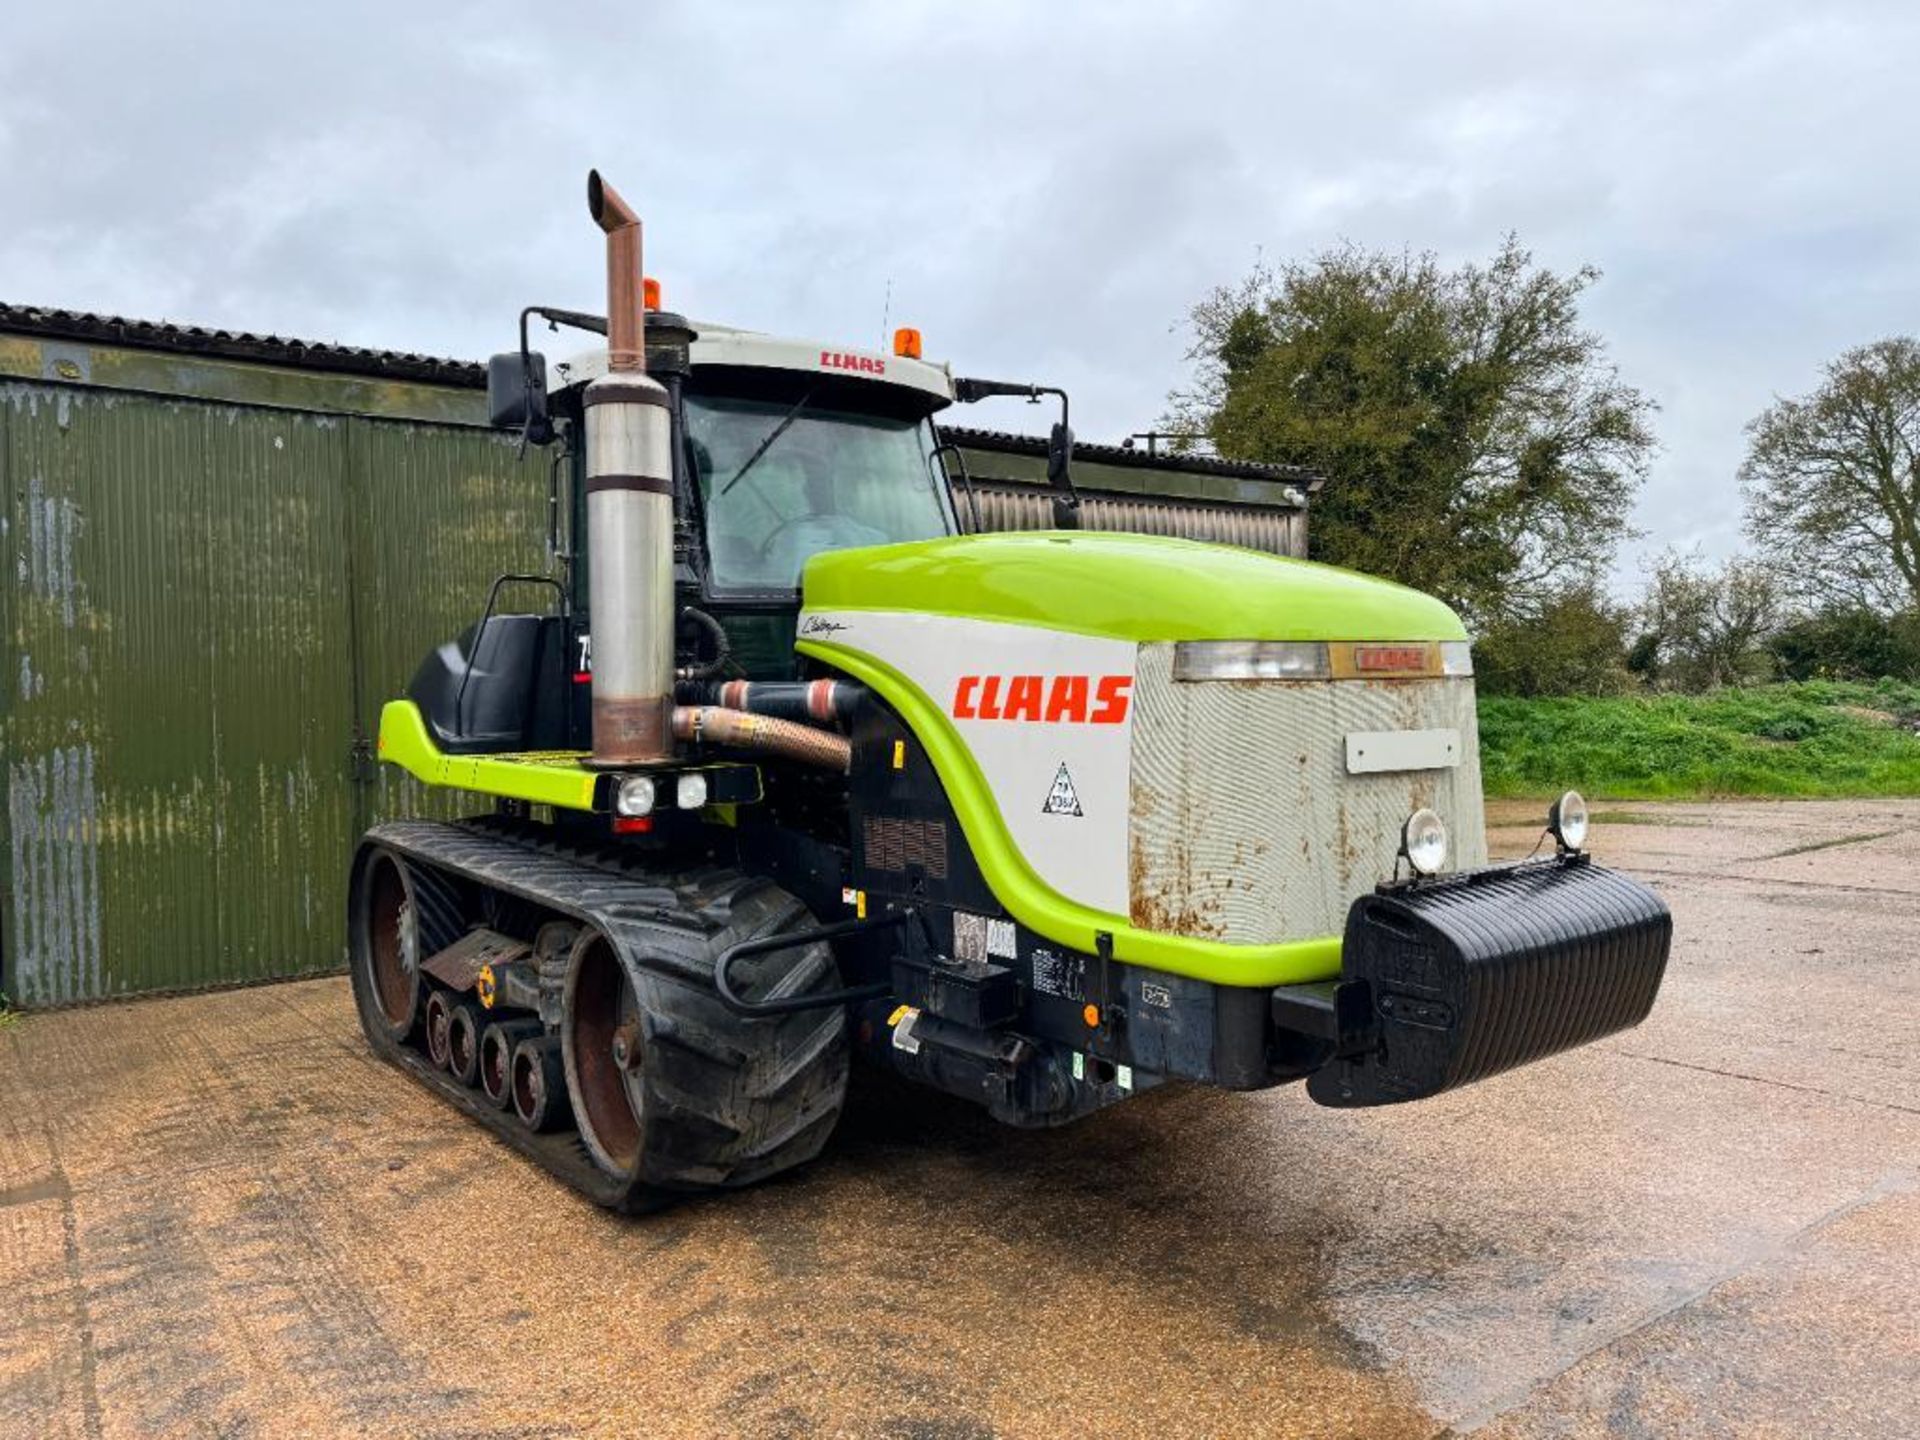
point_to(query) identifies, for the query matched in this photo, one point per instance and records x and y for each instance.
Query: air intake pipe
(629, 516)
(719, 725)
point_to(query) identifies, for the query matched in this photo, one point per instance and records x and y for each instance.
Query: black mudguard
(1474, 974)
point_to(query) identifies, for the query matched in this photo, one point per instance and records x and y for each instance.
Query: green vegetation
(1810, 739)
(1477, 442)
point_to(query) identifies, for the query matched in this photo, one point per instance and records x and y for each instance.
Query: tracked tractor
(786, 770)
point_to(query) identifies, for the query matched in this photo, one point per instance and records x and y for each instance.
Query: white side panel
(999, 684)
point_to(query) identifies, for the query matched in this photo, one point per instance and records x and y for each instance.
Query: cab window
(829, 480)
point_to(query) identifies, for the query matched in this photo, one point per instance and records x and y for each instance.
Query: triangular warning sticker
(1063, 800)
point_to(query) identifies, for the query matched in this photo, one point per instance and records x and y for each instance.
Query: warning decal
(1062, 800)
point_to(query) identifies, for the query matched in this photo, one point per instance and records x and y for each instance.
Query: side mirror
(517, 394)
(1066, 503)
(1060, 457)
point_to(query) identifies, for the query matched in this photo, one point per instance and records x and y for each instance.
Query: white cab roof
(724, 345)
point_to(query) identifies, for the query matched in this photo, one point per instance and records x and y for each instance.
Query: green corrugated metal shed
(217, 569)
(223, 552)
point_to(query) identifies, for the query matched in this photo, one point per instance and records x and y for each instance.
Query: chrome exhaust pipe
(629, 515)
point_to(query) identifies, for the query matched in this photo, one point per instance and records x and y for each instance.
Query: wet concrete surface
(218, 1216)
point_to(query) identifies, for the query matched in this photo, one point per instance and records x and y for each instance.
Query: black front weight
(1474, 974)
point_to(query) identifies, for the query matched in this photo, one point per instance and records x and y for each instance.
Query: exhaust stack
(629, 516)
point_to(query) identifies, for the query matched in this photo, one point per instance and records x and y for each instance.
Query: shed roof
(359, 360)
(239, 345)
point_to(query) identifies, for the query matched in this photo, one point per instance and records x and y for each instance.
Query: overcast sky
(1047, 188)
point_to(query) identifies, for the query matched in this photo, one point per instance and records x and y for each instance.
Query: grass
(9, 1017)
(1819, 738)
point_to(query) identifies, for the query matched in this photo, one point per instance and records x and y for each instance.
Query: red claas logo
(847, 360)
(1053, 699)
(1390, 659)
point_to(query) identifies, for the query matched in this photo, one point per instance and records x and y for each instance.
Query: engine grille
(1246, 826)
(896, 844)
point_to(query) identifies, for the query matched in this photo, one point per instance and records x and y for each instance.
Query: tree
(1848, 643)
(1574, 644)
(1476, 442)
(1704, 626)
(1832, 481)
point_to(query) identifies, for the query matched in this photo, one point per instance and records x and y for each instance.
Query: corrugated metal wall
(205, 606)
(219, 565)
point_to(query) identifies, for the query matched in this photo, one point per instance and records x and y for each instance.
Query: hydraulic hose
(722, 648)
(817, 702)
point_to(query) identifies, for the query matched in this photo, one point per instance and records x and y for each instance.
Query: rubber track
(729, 1100)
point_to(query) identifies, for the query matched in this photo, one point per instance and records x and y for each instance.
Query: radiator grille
(1246, 826)
(895, 844)
(1030, 507)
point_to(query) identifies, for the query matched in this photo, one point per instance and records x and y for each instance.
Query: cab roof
(718, 345)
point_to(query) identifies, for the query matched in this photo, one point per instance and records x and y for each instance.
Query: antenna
(886, 313)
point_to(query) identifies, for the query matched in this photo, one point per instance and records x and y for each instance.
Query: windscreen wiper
(766, 444)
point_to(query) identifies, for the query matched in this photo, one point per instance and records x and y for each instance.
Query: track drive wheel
(672, 1091)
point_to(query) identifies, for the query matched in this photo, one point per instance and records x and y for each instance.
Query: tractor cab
(783, 449)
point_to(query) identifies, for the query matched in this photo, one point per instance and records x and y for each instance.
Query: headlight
(1423, 840)
(690, 791)
(1567, 820)
(1250, 660)
(634, 797)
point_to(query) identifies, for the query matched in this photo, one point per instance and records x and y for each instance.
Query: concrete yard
(219, 1216)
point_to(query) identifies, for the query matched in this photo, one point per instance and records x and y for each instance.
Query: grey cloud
(1046, 188)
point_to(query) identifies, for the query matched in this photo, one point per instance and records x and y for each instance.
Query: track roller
(465, 1020)
(439, 1025)
(497, 1044)
(539, 1084)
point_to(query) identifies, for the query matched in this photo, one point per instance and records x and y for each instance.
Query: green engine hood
(1127, 587)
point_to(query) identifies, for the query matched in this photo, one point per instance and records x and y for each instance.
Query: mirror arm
(1066, 500)
(555, 318)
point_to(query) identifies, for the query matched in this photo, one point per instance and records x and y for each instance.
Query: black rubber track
(729, 1101)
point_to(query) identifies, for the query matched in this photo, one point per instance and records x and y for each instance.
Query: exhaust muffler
(629, 515)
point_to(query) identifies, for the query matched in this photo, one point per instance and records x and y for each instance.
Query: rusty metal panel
(1281, 530)
(1246, 824)
(437, 511)
(178, 690)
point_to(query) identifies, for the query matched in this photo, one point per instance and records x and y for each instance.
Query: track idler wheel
(497, 1044)
(439, 1026)
(400, 914)
(539, 1084)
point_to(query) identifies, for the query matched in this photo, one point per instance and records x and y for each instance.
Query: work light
(1567, 820)
(634, 797)
(1423, 840)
